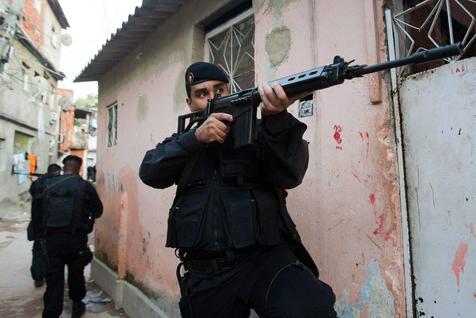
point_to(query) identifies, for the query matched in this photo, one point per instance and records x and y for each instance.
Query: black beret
(201, 72)
(53, 168)
(73, 158)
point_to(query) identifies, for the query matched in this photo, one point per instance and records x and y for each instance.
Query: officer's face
(201, 93)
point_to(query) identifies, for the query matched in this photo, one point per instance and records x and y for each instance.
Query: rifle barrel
(31, 174)
(423, 56)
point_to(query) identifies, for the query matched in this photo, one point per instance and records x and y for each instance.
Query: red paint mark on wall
(337, 136)
(363, 180)
(470, 227)
(380, 228)
(380, 219)
(372, 199)
(364, 135)
(356, 176)
(459, 261)
(461, 69)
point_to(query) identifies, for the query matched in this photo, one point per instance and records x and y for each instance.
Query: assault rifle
(31, 174)
(243, 105)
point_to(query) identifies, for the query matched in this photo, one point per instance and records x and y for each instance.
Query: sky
(91, 24)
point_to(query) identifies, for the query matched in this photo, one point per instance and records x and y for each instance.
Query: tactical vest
(226, 202)
(62, 204)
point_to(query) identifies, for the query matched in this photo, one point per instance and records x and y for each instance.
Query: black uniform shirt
(228, 197)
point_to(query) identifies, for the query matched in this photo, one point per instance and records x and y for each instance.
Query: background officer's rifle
(31, 174)
(243, 105)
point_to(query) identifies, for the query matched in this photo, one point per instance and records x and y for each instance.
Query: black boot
(78, 309)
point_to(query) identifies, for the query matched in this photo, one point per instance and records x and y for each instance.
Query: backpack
(62, 203)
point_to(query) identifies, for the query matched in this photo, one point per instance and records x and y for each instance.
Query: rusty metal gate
(438, 109)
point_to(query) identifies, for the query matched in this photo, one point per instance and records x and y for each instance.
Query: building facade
(354, 210)
(29, 112)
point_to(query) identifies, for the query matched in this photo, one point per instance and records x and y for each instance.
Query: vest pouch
(268, 215)
(172, 240)
(240, 215)
(185, 220)
(238, 167)
(60, 205)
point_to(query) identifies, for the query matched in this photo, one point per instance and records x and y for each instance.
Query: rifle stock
(243, 105)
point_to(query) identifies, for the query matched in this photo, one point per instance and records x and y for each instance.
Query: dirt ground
(18, 296)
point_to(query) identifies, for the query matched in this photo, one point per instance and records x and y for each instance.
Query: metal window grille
(231, 47)
(433, 23)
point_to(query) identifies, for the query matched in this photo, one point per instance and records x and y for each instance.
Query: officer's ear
(188, 100)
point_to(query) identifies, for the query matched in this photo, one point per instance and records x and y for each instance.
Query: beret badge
(190, 77)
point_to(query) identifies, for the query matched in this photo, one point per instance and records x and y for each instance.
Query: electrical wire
(22, 81)
(29, 60)
(21, 61)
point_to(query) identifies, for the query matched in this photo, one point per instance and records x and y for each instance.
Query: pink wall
(347, 209)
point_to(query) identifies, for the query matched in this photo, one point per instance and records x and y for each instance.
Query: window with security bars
(231, 47)
(425, 24)
(112, 125)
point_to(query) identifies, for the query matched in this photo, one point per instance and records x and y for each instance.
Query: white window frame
(223, 27)
(37, 5)
(112, 130)
(60, 139)
(51, 98)
(54, 38)
(26, 79)
(3, 155)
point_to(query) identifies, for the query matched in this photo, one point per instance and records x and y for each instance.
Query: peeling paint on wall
(381, 215)
(257, 5)
(278, 44)
(111, 182)
(276, 5)
(364, 136)
(279, 5)
(142, 107)
(374, 296)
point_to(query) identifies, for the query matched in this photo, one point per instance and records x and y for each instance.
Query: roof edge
(50, 68)
(58, 11)
(155, 11)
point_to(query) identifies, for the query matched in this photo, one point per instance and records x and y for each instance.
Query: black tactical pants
(63, 249)
(38, 262)
(271, 282)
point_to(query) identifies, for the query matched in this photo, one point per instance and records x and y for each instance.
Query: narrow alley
(18, 296)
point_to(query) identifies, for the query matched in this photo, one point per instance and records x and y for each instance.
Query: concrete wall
(38, 26)
(32, 24)
(347, 208)
(18, 112)
(51, 39)
(10, 189)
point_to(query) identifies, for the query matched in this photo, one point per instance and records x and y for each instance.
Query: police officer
(69, 206)
(229, 223)
(38, 265)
